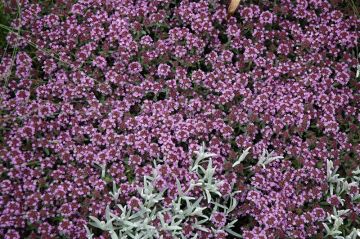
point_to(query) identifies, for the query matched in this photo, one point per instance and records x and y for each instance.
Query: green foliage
(5, 19)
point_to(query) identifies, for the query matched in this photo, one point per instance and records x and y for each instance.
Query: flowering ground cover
(105, 107)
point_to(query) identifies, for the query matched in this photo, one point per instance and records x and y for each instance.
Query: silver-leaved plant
(139, 223)
(340, 186)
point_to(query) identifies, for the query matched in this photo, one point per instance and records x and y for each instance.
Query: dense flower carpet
(173, 119)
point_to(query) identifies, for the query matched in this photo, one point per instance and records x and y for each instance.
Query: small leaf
(173, 228)
(231, 224)
(242, 157)
(89, 234)
(113, 235)
(181, 193)
(326, 228)
(219, 205)
(97, 222)
(200, 227)
(208, 195)
(233, 204)
(107, 213)
(232, 232)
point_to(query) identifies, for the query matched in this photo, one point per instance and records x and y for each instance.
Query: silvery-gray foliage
(340, 186)
(139, 224)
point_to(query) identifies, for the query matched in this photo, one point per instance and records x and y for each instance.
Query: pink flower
(100, 62)
(134, 203)
(134, 68)
(218, 219)
(163, 70)
(266, 17)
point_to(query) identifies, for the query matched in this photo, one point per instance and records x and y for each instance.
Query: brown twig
(232, 7)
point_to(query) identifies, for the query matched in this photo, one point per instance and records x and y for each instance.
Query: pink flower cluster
(124, 83)
(279, 194)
